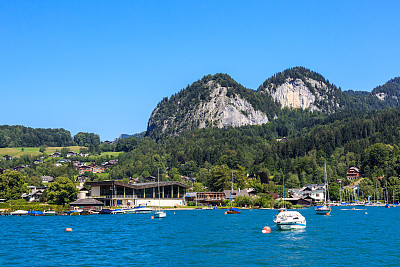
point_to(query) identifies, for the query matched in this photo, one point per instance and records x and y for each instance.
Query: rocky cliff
(219, 101)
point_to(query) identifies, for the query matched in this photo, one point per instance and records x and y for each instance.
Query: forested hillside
(19, 136)
(213, 101)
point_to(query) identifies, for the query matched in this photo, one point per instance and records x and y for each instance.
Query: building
(47, 179)
(353, 173)
(86, 204)
(314, 191)
(207, 198)
(34, 194)
(235, 193)
(115, 193)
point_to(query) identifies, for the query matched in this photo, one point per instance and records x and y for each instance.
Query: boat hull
(160, 214)
(290, 220)
(323, 210)
(290, 226)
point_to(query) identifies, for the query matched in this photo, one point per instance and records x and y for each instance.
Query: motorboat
(20, 212)
(289, 220)
(160, 214)
(49, 213)
(129, 211)
(323, 210)
(117, 211)
(142, 209)
(105, 211)
(35, 213)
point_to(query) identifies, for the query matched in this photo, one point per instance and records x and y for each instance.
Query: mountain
(219, 101)
(302, 88)
(214, 101)
(389, 92)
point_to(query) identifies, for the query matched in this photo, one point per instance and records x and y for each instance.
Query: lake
(203, 238)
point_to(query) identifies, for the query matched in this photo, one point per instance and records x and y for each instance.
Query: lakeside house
(316, 192)
(34, 194)
(353, 173)
(116, 193)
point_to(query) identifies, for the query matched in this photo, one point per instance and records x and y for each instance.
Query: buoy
(281, 211)
(328, 213)
(366, 212)
(152, 217)
(266, 230)
(68, 230)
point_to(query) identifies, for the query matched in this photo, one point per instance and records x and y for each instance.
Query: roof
(87, 202)
(138, 185)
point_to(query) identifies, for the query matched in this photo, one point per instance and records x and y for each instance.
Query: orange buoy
(226, 212)
(281, 211)
(152, 217)
(266, 230)
(68, 230)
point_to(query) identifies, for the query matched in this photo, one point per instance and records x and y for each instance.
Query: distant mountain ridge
(219, 101)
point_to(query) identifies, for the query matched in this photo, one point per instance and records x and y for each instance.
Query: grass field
(115, 154)
(34, 151)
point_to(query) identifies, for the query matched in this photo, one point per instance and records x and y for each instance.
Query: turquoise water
(202, 238)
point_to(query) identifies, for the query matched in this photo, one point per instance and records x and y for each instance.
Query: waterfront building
(116, 193)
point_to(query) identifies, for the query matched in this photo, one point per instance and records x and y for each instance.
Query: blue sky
(102, 66)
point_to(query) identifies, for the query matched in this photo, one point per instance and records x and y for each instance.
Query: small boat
(129, 211)
(142, 209)
(105, 211)
(35, 213)
(324, 209)
(49, 213)
(117, 211)
(159, 213)
(20, 212)
(231, 209)
(290, 220)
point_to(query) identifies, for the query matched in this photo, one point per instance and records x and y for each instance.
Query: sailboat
(159, 213)
(289, 219)
(324, 209)
(231, 209)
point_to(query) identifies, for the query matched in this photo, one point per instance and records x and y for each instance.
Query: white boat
(129, 211)
(142, 209)
(159, 213)
(324, 209)
(117, 211)
(20, 212)
(290, 220)
(49, 213)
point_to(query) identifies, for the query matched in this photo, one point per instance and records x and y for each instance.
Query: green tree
(334, 190)
(174, 175)
(220, 178)
(12, 185)
(62, 191)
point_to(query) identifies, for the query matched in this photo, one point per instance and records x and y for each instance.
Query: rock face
(223, 111)
(295, 93)
(216, 109)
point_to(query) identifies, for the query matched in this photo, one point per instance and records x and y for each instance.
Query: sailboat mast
(158, 185)
(230, 197)
(326, 182)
